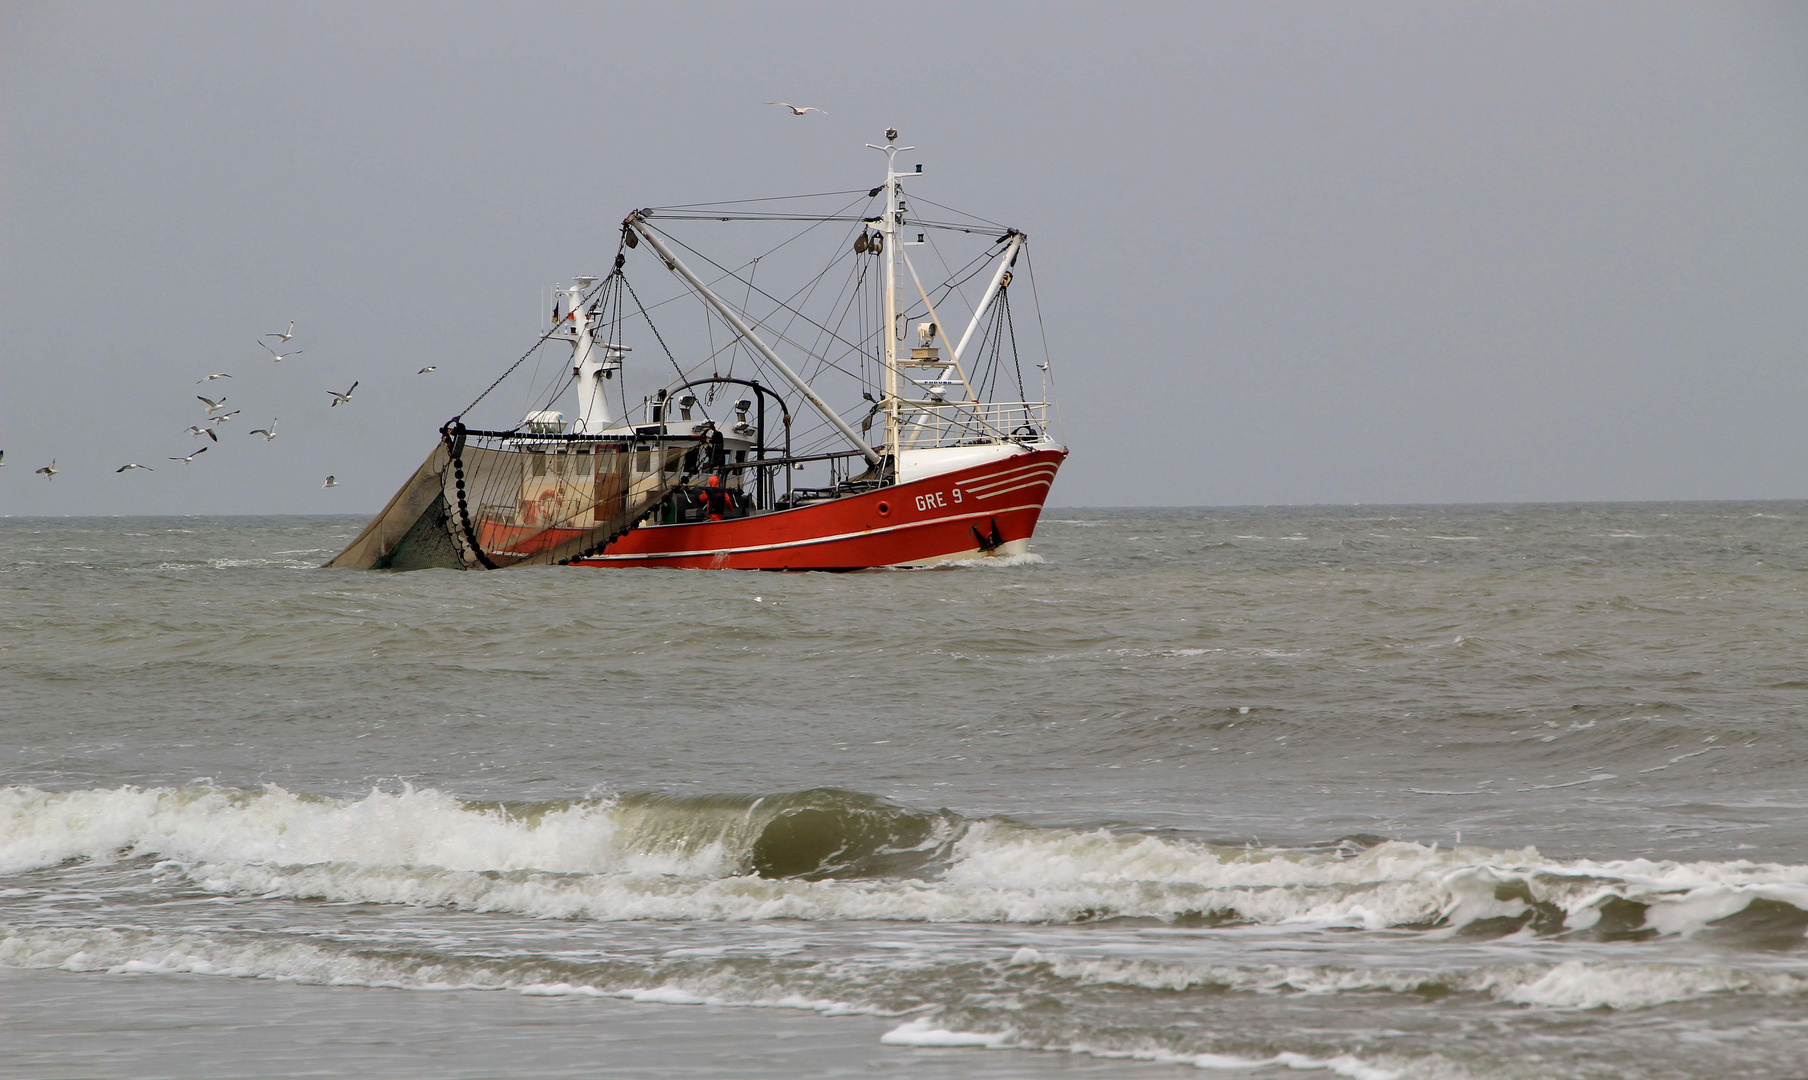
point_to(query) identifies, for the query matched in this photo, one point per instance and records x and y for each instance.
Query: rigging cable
(544, 338)
(655, 329)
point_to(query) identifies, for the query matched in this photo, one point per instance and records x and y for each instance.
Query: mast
(888, 228)
(739, 325)
(579, 326)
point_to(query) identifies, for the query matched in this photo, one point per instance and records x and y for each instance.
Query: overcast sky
(1287, 253)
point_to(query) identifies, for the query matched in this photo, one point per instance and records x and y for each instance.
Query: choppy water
(1451, 792)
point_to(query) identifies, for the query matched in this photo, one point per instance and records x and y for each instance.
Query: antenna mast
(888, 229)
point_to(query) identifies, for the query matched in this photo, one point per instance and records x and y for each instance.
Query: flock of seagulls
(215, 407)
(217, 412)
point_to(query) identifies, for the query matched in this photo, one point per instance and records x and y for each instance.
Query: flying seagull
(134, 465)
(284, 336)
(223, 419)
(212, 405)
(49, 470)
(798, 110)
(428, 370)
(2, 459)
(197, 431)
(340, 399)
(331, 481)
(280, 357)
(210, 378)
(268, 433)
(191, 457)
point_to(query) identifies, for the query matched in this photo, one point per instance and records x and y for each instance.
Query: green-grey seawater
(1510, 791)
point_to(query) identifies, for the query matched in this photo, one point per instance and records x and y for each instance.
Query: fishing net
(488, 500)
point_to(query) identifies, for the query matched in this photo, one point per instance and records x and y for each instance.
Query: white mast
(592, 364)
(888, 229)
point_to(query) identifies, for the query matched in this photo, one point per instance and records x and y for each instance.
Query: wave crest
(832, 854)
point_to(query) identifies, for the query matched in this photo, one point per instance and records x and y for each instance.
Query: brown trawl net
(488, 500)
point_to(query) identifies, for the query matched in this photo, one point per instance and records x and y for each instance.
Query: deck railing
(955, 423)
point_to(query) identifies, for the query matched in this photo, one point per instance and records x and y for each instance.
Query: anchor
(988, 544)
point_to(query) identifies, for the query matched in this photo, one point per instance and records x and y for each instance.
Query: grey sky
(1286, 253)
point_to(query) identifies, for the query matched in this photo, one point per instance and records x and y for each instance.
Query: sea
(1374, 792)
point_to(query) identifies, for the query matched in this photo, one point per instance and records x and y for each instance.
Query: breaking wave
(832, 854)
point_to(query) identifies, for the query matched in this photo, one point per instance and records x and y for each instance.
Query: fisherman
(715, 496)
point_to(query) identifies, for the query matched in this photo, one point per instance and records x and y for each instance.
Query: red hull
(925, 521)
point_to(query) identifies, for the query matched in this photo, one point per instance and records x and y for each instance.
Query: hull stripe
(1005, 478)
(811, 542)
(1042, 482)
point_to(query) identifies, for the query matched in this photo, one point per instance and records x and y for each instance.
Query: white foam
(599, 860)
(923, 1032)
(1579, 985)
(992, 562)
(129, 952)
(413, 828)
(1571, 984)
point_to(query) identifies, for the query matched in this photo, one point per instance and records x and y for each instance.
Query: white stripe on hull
(812, 541)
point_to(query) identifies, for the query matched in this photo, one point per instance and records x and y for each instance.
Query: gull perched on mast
(798, 110)
(280, 357)
(283, 337)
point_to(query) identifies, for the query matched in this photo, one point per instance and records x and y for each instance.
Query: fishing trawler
(740, 461)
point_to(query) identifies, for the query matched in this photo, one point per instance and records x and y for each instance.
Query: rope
(544, 338)
(656, 334)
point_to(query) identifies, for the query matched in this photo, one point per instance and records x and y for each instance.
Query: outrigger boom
(733, 318)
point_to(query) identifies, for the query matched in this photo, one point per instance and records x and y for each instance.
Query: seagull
(331, 481)
(428, 370)
(223, 419)
(134, 465)
(2, 459)
(283, 338)
(197, 431)
(49, 470)
(268, 433)
(798, 110)
(340, 399)
(191, 457)
(280, 357)
(212, 405)
(210, 378)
